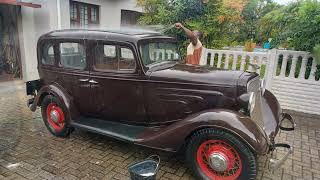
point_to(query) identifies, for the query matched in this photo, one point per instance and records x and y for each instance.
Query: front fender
(60, 93)
(172, 137)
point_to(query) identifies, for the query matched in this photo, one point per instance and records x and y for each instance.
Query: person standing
(195, 50)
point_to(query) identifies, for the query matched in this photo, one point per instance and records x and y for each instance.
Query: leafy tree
(296, 26)
(232, 22)
(217, 19)
(251, 14)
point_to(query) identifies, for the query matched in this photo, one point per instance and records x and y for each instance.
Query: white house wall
(110, 12)
(37, 21)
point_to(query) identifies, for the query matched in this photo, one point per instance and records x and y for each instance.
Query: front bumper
(276, 163)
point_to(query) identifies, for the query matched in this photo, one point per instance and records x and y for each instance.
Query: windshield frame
(157, 40)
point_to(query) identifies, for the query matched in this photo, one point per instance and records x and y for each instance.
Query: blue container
(146, 169)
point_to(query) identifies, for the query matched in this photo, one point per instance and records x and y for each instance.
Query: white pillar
(28, 44)
(59, 13)
(271, 68)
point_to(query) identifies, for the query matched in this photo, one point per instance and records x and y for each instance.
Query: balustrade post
(211, 61)
(293, 65)
(205, 54)
(313, 70)
(235, 60)
(303, 67)
(243, 61)
(219, 60)
(271, 67)
(226, 62)
(284, 65)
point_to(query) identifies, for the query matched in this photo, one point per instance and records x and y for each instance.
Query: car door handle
(83, 80)
(93, 81)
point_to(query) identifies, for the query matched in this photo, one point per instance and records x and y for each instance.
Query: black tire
(65, 130)
(248, 159)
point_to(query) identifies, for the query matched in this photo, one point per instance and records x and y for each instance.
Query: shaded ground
(28, 151)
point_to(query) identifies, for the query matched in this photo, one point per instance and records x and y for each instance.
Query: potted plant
(249, 46)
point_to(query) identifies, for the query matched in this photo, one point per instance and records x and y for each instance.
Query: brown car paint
(172, 137)
(171, 103)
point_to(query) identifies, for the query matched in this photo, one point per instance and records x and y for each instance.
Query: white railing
(285, 72)
(235, 60)
(163, 54)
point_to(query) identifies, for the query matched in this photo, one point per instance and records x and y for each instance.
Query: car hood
(182, 73)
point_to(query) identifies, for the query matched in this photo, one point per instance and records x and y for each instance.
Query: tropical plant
(217, 19)
(296, 26)
(251, 14)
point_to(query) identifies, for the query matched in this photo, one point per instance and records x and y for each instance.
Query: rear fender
(60, 93)
(172, 137)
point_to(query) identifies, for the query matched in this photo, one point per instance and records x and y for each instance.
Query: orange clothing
(194, 54)
(194, 58)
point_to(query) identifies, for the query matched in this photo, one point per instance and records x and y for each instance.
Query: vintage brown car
(134, 87)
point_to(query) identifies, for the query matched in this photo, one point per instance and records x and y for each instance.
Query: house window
(83, 14)
(129, 17)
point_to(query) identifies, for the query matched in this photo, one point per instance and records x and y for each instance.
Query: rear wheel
(54, 116)
(219, 155)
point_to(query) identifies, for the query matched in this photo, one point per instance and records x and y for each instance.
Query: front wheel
(218, 155)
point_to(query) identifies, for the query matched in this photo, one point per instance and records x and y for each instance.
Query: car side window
(126, 60)
(114, 58)
(72, 55)
(48, 55)
(106, 57)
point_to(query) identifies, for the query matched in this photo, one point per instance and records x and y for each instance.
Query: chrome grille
(254, 84)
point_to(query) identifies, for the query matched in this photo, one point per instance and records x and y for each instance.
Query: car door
(116, 85)
(73, 74)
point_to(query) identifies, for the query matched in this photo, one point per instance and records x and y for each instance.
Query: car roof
(114, 35)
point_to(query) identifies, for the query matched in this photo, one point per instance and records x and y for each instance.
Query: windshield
(157, 52)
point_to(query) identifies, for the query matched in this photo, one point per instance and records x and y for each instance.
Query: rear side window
(48, 55)
(72, 55)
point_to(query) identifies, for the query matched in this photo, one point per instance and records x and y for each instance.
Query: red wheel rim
(232, 160)
(55, 117)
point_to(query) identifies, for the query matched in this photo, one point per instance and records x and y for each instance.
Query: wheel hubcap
(55, 117)
(218, 162)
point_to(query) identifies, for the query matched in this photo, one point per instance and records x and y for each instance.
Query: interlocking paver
(29, 151)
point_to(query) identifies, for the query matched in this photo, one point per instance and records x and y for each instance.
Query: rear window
(72, 55)
(48, 55)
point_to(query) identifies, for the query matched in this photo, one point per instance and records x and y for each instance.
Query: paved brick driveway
(28, 151)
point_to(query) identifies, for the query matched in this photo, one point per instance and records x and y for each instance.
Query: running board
(108, 128)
